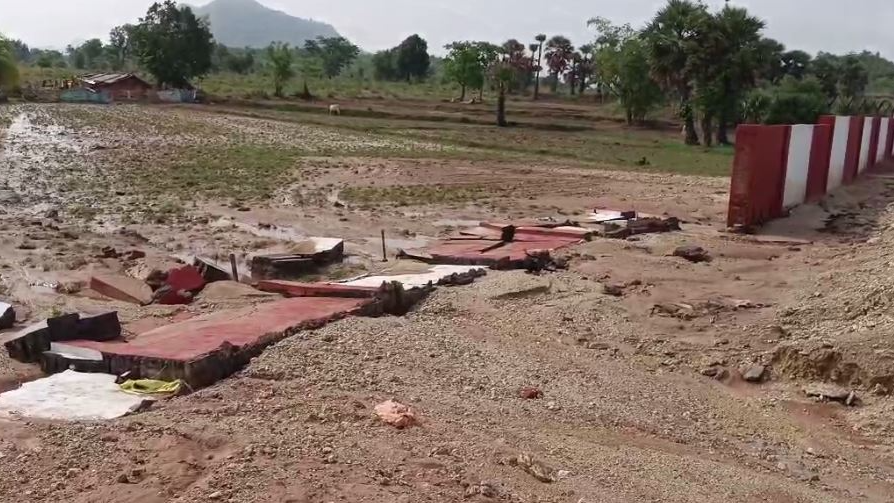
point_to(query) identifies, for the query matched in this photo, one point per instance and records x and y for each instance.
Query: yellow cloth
(151, 387)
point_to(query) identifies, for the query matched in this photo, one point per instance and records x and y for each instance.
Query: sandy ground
(627, 414)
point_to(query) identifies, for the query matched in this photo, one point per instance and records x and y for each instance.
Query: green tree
(119, 48)
(624, 71)
(796, 63)
(853, 78)
(413, 60)
(334, 53)
(172, 44)
(385, 65)
(672, 37)
(93, 51)
(502, 72)
(280, 58)
(310, 67)
(772, 68)
(792, 101)
(9, 70)
(559, 54)
(464, 66)
(728, 59)
(826, 68)
(538, 66)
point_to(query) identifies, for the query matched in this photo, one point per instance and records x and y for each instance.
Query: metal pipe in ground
(233, 267)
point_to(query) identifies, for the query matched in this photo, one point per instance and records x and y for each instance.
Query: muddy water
(35, 155)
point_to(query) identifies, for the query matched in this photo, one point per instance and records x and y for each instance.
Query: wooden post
(384, 251)
(233, 267)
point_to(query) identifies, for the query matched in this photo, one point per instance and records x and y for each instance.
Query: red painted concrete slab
(191, 340)
(493, 253)
(121, 288)
(295, 289)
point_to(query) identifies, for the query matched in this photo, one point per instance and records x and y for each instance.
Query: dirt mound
(818, 362)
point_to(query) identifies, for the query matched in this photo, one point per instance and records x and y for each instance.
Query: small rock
(396, 414)
(122, 479)
(613, 290)
(755, 374)
(215, 495)
(831, 393)
(72, 472)
(717, 372)
(109, 252)
(879, 390)
(693, 253)
(530, 393)
(134, 255)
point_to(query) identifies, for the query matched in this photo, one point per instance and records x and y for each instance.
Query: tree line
(716, 69)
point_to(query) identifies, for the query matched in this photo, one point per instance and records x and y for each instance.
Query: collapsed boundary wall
(779, 167)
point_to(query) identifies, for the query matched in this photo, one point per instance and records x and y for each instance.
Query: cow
(334, 110)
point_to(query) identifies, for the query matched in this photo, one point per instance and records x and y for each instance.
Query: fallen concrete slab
(303, 258)
(29, 344)
(211, 271)
(501, 246)
(7, 316)
(122, 288)
(436, 275)
(62, 357)
(281, 266)
(208, 348)
(296, 289)
(70, 396)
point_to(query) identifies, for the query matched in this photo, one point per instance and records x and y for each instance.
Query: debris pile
(624, 224)
(503, 246)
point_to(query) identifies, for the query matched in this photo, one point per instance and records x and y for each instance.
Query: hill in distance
(247, 23)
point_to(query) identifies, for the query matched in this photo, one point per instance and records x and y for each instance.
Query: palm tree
(559, 53)
(672, 38)
(534, 64)
(541, 38)
(586, 66)
(740, 61)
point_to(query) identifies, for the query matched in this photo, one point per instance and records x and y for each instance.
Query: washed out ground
(626, 413)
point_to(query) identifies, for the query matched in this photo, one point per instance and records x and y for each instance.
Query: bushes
(791, 101)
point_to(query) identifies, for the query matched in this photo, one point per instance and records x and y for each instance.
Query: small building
(118, 86)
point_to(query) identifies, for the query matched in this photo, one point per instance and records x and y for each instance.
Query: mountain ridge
(248, 23)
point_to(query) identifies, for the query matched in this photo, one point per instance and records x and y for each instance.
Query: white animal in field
(334, 110)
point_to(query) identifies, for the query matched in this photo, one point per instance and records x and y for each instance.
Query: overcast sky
(812, 25)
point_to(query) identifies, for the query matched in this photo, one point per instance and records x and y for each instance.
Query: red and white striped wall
(779, 167)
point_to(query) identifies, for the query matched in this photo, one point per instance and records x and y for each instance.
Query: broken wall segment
(304, 258)
(122, 288)
(487, 245)
(203, 350)
(29, 344)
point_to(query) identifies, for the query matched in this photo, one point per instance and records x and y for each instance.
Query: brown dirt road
(626, 412)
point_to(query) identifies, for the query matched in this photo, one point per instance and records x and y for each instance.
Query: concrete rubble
(303, 258)
(502, 246)
(122, 288)
(624, 224)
